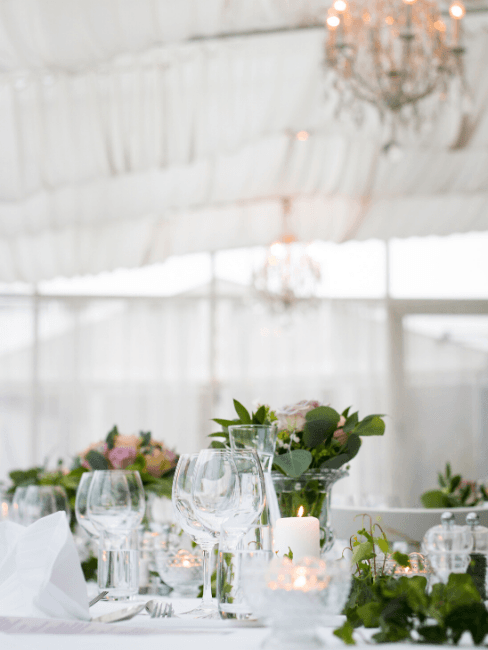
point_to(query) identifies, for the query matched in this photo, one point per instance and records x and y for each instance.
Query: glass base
(205, 610)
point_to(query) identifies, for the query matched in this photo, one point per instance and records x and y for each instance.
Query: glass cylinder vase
(312, 492)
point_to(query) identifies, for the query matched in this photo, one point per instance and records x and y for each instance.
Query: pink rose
(340, 435)
(292, 418)
(120, 457)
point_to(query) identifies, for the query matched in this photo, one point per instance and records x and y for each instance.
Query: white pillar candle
(300, 534)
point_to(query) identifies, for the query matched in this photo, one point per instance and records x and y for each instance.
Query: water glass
(118, 564)
(260, 437)
(233, 566)
(115, 500)
(17, 510)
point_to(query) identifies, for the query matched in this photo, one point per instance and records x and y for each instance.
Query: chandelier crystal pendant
(394, 54)
(289, 275)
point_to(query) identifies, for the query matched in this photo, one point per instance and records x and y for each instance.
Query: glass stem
(207, 577)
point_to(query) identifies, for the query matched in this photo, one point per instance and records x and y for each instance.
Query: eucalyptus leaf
(371, 425)
(325, 413)
(294, 463)
(336, 462)
(111, 436)
(317, 432)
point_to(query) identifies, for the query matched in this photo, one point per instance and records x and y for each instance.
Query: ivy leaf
(96, 460)
(435, 499)
(370, 614)
(294, 463)
(363, 551)
(242, 412)
(383, 544)
(372, 425)
(345, 633)
(110, 439)
(468, 618)
(401, 559)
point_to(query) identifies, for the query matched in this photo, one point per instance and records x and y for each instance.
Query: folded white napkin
(40, 573)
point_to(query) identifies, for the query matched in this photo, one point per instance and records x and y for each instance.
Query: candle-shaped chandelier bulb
(457, 10)
(333, 22)
(341, 6)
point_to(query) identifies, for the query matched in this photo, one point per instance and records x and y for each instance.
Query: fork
(158, 611)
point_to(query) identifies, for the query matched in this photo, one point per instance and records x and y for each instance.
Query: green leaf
(435, 499)
(316, 432)
(242, 412)
(370, 614)
(363, 551)
(215, 444)
(468, 618)
(372, 425)
(219, 434)
(260, 415)
(454, 483)
(335, 463)
(294, 463)
(225, 423)
(353, 445)
(111, 436)
(345, 633)
(96, 460)
(345, 412)
(351, 422)
(383, 544)
(401, 558)
(441, 481)
(432, 634)
(325, 413)
(146, 438)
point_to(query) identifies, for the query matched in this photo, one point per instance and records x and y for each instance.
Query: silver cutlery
(157, 611)
(120, 615)
(101, 595)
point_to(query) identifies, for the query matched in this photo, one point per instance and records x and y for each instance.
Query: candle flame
(300, 511)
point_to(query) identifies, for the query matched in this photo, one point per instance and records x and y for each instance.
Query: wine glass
(201, 535)
(42, 500)
(115, 506)
(17, 514)
(115, 500)
(81, 505)
(252, 496)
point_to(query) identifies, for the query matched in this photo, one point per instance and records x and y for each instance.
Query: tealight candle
(299, 534)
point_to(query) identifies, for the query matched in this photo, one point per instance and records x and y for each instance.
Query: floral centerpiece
(454, 492)
(151, 458)
(315, 443)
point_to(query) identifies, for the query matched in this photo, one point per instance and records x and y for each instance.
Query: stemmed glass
(42, 500)
(252, 497)
(185, 515)
(115, 506)
(81, 505)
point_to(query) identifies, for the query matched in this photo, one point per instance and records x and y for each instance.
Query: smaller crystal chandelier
(289, 275)
(394, 54)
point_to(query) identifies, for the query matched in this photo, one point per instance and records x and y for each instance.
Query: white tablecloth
(141, 631)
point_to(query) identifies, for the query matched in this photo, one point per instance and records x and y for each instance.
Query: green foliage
(403, 608)
(89, 568)
(111, 436)
(289, 555)
(323, 451)
(264, 415)
(454, 492)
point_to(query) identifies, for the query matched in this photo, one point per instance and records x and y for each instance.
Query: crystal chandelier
(394, 54)
(289, 275)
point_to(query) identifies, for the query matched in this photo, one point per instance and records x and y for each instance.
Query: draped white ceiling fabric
(131, 130)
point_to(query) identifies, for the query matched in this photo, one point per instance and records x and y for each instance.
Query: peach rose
(292, 418)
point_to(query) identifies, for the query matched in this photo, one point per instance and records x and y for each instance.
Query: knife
(120, 614)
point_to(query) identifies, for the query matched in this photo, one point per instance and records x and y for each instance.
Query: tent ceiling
(123, 142)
